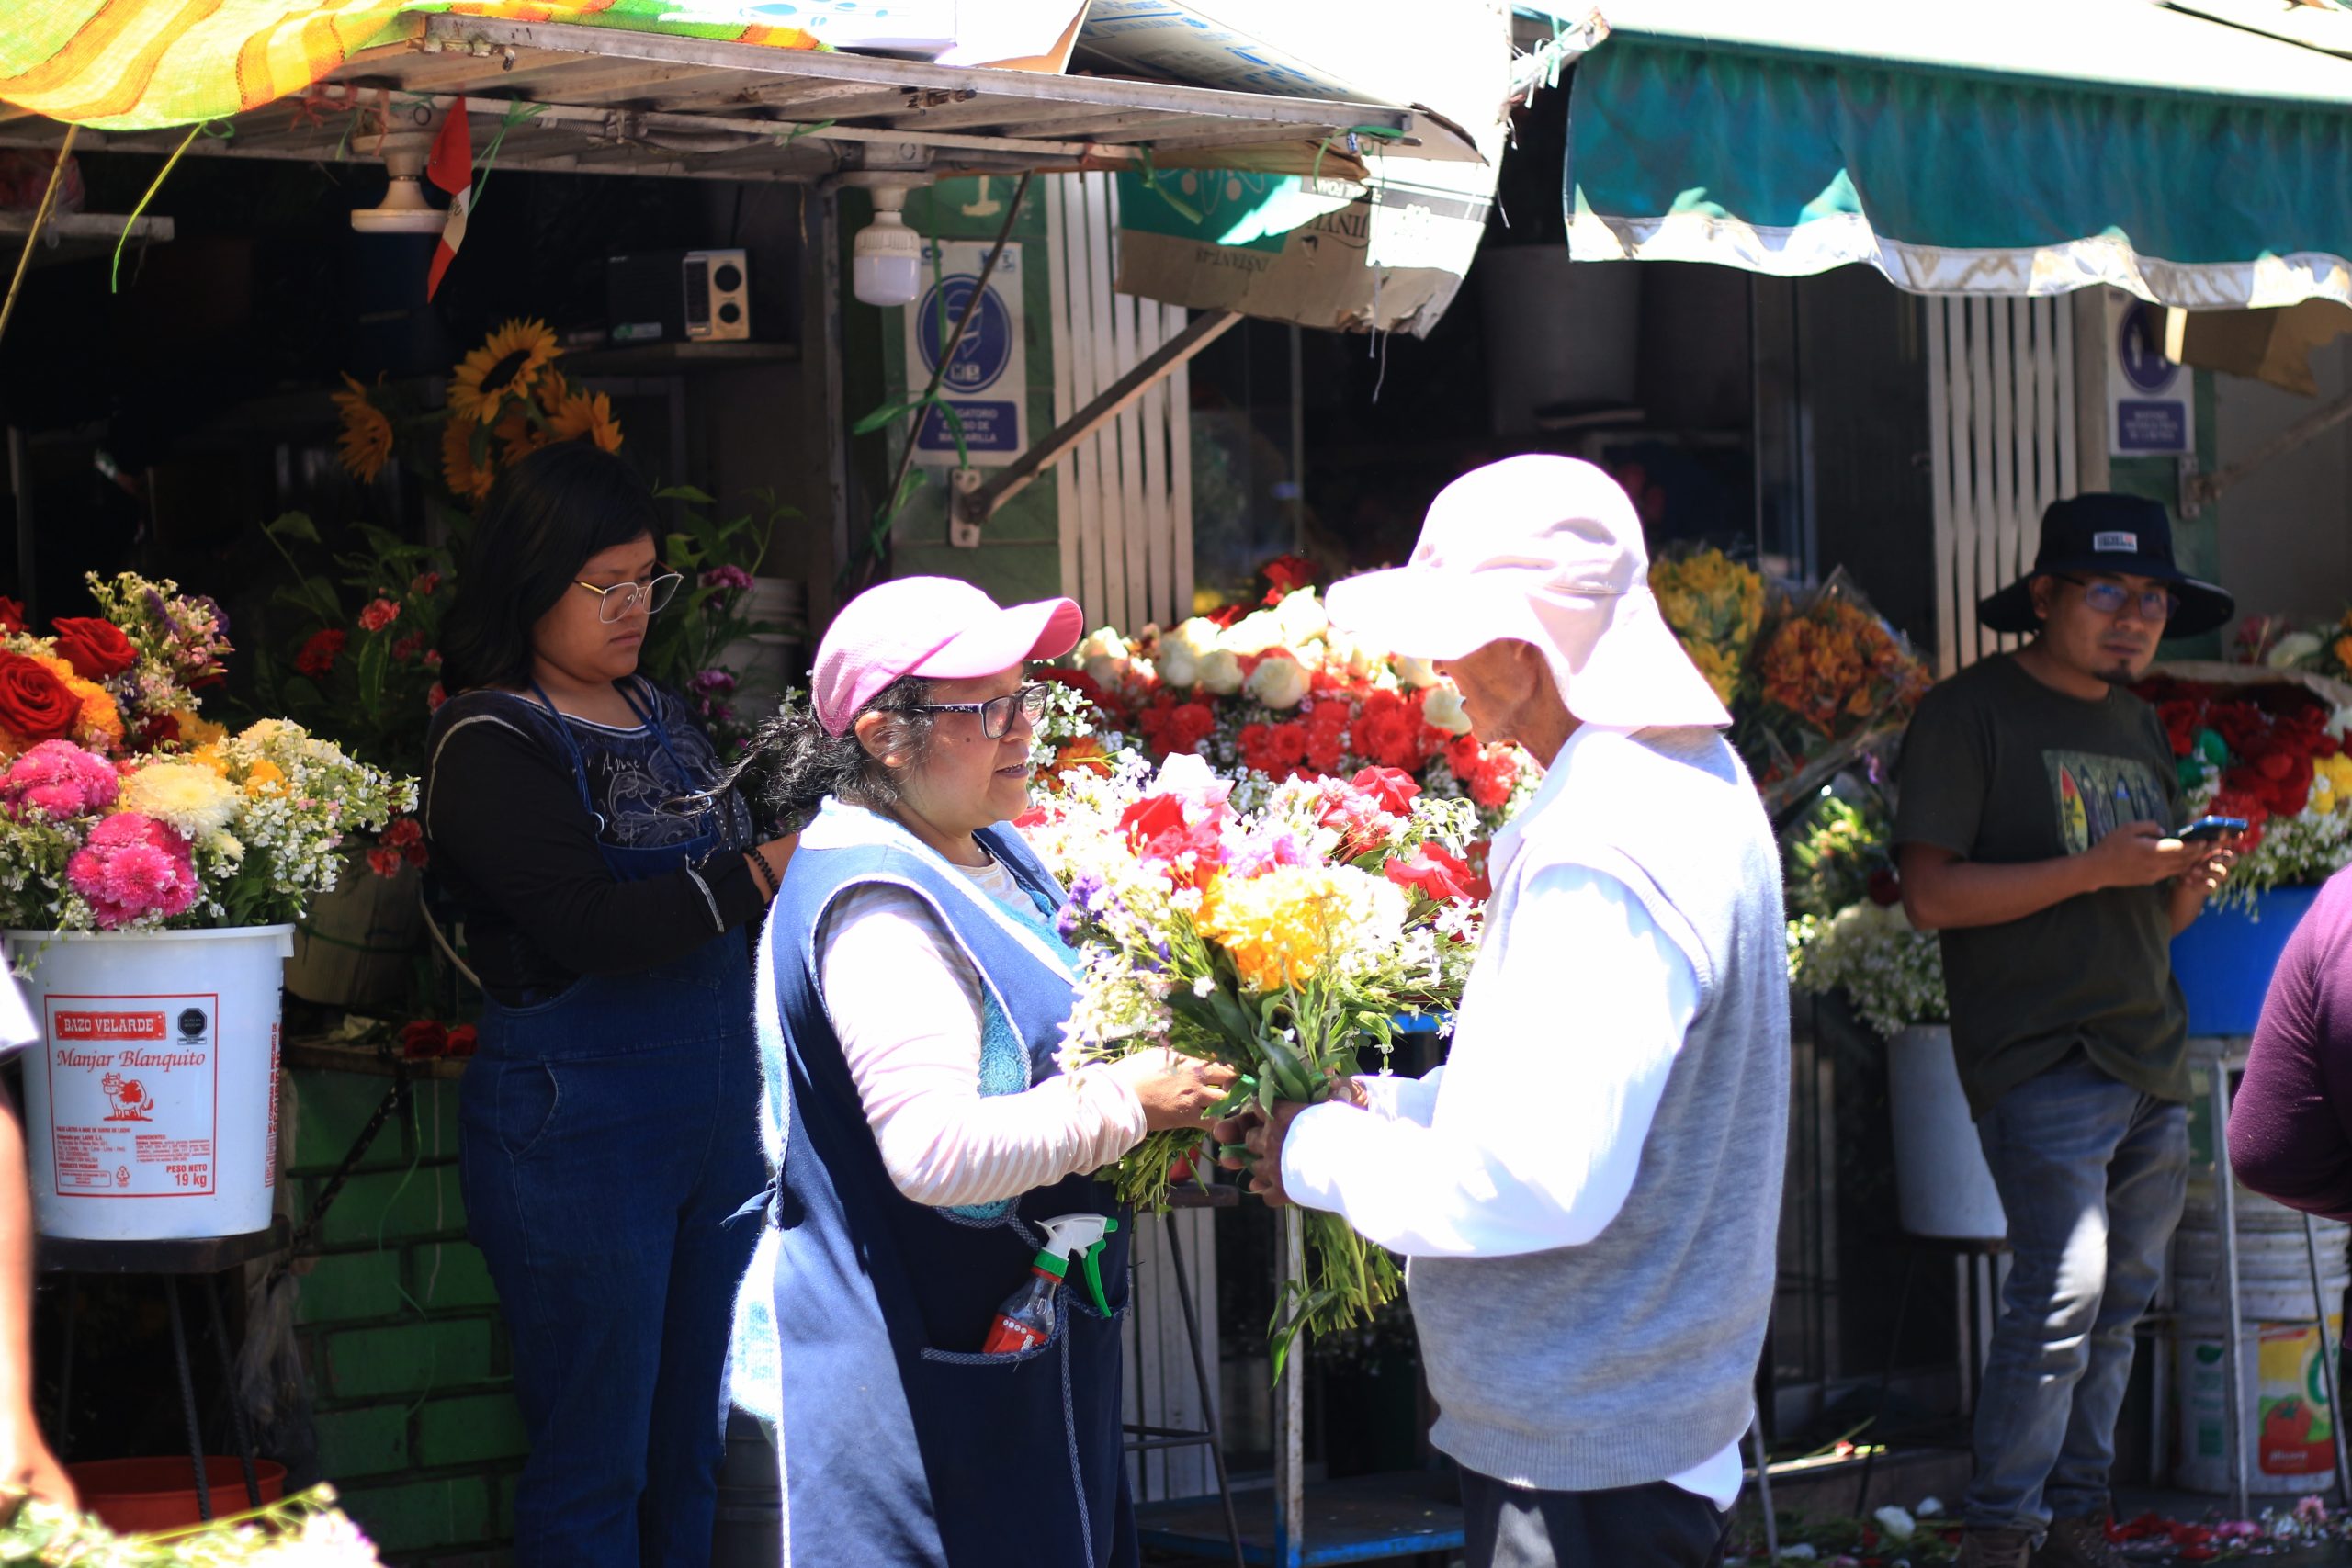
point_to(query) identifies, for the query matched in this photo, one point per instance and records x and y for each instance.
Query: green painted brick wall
(409, 1362)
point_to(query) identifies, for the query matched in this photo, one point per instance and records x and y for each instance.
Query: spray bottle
(1027, 1318)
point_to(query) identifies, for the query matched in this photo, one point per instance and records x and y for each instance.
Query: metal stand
(1145, 1439)
(2233, 1328)
(207, 1260)
(2328, 1349)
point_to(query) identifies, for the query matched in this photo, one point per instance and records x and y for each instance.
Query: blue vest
(900, 1443)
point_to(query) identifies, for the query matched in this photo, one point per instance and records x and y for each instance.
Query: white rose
(1105, 671)
(1412, 674)
(1104, 655)
(1279, 683)
(1253, 633)
(1221, 672)
(1344, 652)
(2293, 649)
(1301, 616)
(1444, 711)
(1199, 635)
(1180, 666)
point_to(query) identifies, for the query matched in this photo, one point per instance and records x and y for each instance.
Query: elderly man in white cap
(1588, 1191)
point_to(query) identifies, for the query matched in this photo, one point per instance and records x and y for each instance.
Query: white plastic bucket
(1943, 1185)
(2285, 1399)
(151, 1108)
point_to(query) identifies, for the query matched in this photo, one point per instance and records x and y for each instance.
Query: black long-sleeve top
(517, 850)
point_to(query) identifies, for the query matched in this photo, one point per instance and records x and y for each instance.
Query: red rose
(384, 863)
(1495, 780)
(1150, 818)
(96, 648)
(1464, 756)
(401, 832)
(461, 1041)
(1393, 789)
(434, 698)
(1188, 724)
(319, 654)
(423, 1038)
(34, 704)
(12, 614)
(1435, 874)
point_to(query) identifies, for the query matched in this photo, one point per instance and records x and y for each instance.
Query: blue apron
(608, 1131)
(900, 1443)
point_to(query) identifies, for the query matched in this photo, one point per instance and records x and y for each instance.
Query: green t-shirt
(2001, 769)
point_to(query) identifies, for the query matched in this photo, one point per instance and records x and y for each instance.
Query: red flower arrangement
(2264, 741)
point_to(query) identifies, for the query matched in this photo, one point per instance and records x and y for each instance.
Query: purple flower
(1084, 890)
(1066, 922)
(212, 607)
(733, 577)
(711, 682)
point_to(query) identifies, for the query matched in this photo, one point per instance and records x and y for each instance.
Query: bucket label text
(134, 1103)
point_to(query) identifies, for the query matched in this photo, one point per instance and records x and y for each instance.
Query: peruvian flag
(451, 167)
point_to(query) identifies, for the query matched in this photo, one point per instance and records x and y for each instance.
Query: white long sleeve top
(1530, 1137)
(912, 1041)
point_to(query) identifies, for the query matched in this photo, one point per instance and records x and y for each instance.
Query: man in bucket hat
(1588, 1190)
(2035, 832)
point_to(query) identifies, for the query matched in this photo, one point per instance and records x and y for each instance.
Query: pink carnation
(132, 867)
(378, 615)
(730, 576)
(60, 780)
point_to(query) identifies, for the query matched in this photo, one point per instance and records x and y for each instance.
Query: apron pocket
(526, 1099)
(1022, 1450)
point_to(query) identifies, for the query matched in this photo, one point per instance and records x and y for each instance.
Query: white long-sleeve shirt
(1530, 1137)
(906, 1005)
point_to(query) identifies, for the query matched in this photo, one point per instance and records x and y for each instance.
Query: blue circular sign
(986, 349)
(2140, 350)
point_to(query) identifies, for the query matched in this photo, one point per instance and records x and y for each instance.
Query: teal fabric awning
(2011, 147)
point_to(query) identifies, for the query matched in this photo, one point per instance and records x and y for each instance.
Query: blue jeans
(606, 1138)
(2091, 1173)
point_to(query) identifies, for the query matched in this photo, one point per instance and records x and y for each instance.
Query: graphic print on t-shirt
(2095, 794)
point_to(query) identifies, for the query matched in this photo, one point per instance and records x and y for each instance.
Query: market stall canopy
(2014, 147)
(635, 94)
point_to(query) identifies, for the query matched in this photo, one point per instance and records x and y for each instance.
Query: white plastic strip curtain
(2001, 448)
(1126, 494)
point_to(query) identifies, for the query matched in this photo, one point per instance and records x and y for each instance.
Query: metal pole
(1764, 1489)
(1201, 1375)
(2327, 1352)
(2232, 1330)
(1290, 1412)
(187, 1401)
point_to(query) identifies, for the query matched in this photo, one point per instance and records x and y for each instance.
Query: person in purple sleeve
(2290, 1126)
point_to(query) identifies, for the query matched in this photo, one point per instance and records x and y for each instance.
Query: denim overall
(607, 1133)
(901, 1445)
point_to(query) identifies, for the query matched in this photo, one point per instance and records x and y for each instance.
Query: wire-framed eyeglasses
(996, 713)
(2155, 604)
(622, 597)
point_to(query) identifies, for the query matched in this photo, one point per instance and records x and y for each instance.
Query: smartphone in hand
(2205, 829)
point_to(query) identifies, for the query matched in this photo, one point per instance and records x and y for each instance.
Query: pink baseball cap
(937, 627)
(1547, 551)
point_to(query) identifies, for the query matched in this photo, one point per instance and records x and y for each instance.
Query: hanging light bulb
(886, 262)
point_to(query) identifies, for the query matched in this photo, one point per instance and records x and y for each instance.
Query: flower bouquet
(1832, 679)
(123, 680)
(1716, 606)
(2270, 751)
(1282, 694)
(1891, 971)
(305, 1531)
(1279, 940)
(239, 831)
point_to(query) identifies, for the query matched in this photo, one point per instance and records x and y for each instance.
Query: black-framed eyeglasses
(996, 713)
(622, 597)
(2155, 604)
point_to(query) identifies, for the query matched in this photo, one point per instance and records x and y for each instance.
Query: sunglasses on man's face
(996, 713)
(2108, 598)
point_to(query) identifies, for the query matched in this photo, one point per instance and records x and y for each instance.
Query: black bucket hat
(2125, 534)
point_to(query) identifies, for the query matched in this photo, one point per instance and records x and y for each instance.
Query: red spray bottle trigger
(1027, 1318)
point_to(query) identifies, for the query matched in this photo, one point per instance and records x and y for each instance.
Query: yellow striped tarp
(136, 64)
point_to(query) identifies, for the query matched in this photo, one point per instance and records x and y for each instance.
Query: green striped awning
(2007, 147)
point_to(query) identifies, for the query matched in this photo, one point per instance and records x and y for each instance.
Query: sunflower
(519, 436)
(467, 478)
(367, 438)
(581, 413)
(507, 363)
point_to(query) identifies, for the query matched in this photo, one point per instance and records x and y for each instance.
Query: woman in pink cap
(912, 991)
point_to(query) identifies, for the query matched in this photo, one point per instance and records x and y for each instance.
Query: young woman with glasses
(612, 883)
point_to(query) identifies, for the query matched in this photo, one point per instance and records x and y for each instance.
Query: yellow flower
(195, 731)
(518, 437)
(466, 480)
(366, 443)
(580, 414)
(265, 777)
(1283, 928)
(97, 720)
(507, 364)
(208, 756)
(196, 800)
